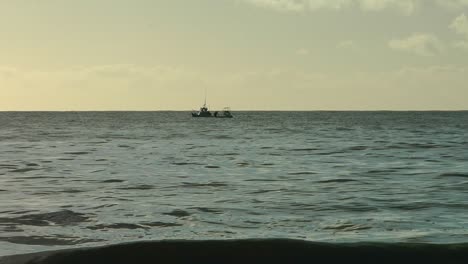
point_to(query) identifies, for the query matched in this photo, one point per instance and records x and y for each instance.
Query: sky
(70, 55)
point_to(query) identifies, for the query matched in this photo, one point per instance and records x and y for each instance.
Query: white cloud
(7, 72)
(461, 44)
(405, 6)
(280, 5)
(329, 4)
(346, 44)
(452, 4)
(460, 26)
(419, 44)
(302, 52)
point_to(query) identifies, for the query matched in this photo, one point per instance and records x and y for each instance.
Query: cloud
(460, 26)
(280, 5)
(330, 4)
(346, 44)
(419, 44)
(461, 44)
(404, 6)
(452, 4)
(302, 52)
(7, 72)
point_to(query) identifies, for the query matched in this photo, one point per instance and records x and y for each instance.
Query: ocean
(79, 179)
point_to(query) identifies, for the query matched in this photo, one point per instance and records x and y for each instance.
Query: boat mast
(205, 98)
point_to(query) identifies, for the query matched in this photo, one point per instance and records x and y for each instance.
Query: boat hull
(201, 115)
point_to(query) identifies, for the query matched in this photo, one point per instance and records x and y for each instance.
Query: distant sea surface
(76, 179)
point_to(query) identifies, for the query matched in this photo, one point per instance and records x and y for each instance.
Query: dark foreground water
(85, 179)
(269, 251)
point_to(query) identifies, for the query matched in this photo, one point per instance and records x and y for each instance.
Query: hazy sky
(248, 54)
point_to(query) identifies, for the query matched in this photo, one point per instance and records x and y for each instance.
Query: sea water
(78, 179)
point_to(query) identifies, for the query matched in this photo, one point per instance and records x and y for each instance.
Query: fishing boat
(226, 113)
(204, 112)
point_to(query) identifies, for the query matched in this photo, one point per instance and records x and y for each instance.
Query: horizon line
(250, 110)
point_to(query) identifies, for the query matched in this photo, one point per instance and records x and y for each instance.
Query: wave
(338, 181)
(23, 170)
(138, 187)
(61, 218)
(251, 251)
(78, 153)
(455, 174)
(302, 173)
(47, 240)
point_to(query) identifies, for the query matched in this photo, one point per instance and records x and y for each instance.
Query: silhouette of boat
(226, 113)
(204, 112)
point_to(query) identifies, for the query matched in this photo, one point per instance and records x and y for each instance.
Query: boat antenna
(205, 98)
